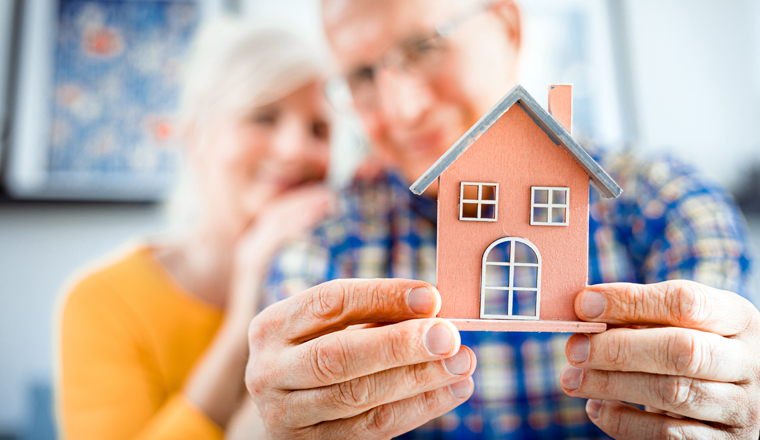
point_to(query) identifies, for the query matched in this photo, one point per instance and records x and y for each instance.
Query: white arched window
(510, 281)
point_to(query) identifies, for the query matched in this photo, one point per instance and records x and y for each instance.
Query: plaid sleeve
(681, 226)
(297, 267)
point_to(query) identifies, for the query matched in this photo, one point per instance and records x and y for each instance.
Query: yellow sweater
(129, 338)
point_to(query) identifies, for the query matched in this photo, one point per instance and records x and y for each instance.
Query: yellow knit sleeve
(179, 419)
(108, 386)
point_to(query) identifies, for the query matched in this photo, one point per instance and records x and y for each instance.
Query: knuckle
(417, 377)
(273, 415)
(381, 419)
(616, 418)
(354, 393)
(744, 412)
(257, 379)
(253, 381)
(687, 302)
(376, 296)
(618, 350)
(398, 345)
(606, 384)
(635, 304)
(328, 301)
(432, 401)
(329, 360)
(678, 393)
(671, 430)
(683, 353)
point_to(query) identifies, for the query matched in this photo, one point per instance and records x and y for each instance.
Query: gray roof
(556, 132)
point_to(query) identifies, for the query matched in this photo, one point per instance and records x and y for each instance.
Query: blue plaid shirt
(668, 224)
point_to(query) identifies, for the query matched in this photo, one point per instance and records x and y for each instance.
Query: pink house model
(513, 198)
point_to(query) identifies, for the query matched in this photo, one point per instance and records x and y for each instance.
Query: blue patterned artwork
(118, 68)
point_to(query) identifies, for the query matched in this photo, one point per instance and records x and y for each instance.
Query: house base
(495, 325)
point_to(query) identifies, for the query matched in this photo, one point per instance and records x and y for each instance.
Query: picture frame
(7, 9)
(97, 88)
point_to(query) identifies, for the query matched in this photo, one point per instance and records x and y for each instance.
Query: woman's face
(248, 161)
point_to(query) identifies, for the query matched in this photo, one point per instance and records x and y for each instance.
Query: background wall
(694, 88)
(40, 248)
(696, 81)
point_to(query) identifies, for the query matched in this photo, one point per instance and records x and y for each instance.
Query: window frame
(480, 202)
(510, 288)
(549, 206)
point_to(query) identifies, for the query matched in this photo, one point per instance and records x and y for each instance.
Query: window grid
(550, 206)
(479, 201)
(511, 288)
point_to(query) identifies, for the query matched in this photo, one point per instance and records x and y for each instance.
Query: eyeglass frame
(443, 31)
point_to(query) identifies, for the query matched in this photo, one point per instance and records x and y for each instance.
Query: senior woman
(153, 342)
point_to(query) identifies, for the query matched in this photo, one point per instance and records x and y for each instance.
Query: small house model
(513, 197)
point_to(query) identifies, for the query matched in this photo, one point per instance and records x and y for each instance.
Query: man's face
(413, 117)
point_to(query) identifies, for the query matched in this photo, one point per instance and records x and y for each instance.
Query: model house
(513, 197)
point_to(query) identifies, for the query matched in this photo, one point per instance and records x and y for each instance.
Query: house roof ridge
(556, 132)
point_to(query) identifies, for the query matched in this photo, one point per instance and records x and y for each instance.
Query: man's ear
(510, 15)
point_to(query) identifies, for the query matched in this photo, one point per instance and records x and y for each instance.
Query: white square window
(549, 206)
(478, 202)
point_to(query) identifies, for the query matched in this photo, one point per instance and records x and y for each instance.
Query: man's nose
(404, 97)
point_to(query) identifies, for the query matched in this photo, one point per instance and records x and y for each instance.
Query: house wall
(516, 154)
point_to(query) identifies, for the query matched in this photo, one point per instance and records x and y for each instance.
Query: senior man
(367, 359)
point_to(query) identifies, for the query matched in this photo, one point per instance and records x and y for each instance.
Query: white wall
(696, 81)
(40, 247)
(6, 17)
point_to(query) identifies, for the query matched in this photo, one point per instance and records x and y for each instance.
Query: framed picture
(98, 85)
(6, 29)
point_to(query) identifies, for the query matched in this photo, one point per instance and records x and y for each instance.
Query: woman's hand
(313, 377)
(284, 219)
(246, 424)
(695, 364)
(213, 387)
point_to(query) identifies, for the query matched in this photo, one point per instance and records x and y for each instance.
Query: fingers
(335, 305)
(393, 419)
(343, 356)
(695, 398)
(621, 421)
(664, 350)
(675, 303)
(347, 399)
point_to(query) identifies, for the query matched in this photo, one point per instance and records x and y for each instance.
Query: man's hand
(692, 356)
(313, 377)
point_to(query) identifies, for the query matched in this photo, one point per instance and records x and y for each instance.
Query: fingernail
(578, 348)
(571, 377)
(460, 389)
(421, 300)
(459, 363)
(439, 339)
(592, 304)
(593, 407)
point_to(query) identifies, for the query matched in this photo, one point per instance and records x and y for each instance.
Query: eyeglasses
(422, 56)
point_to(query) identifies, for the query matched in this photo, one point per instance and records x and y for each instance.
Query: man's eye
(421, 50)
(423, 46)
(263, 118)
(362, 75)
(320, 130)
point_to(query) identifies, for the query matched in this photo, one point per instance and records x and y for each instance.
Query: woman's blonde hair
(234, 66)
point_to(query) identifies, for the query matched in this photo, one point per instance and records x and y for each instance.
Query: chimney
(561, 105)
